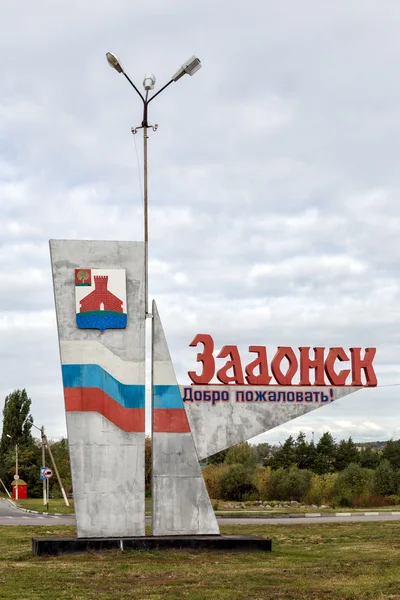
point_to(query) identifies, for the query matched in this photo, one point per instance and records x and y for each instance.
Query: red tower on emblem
(101, 298)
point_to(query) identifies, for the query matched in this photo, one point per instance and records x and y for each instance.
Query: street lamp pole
(190, 67)
(16, 467)
(16, 471)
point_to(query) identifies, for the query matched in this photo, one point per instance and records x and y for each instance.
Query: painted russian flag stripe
(167, 396)
(96, 400)
(94, 376)
(170, 420)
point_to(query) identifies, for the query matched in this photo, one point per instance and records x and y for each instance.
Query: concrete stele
(220, 425)
(104, 381)
(181, 505)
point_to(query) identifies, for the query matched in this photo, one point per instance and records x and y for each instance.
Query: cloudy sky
(274, 180)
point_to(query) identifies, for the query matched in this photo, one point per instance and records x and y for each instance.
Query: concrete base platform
(72, 545)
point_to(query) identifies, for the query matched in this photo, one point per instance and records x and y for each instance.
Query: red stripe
(96, 400)
(170, 420)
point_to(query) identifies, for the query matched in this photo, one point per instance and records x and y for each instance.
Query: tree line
(335, 474)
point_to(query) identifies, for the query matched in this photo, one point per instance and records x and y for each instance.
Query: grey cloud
(273, 176)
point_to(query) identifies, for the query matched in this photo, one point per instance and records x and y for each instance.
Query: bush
(236, 483)
(242, 454)
(385, 480)
(261, 482)
(289, 484)
(321, 489)
(354, 481)
(212, 475)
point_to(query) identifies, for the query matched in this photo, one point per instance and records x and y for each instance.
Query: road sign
(16, 477)
(46, 473)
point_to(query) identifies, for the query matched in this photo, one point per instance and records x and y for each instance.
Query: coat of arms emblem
(100, 298)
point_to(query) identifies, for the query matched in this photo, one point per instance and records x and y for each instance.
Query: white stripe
(313, 514)
(343, 514)
(164, 373)
(371, 514)
(90, 352)
(395, 513)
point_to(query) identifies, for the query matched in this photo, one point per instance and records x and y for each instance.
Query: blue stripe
(167, 396)
(93, 376)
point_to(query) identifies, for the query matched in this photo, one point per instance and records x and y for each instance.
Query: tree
(60, 452)
(290, 484)
(385, 482)
(346, 453)
(285, 457)
(351, 483)
(305, 452)
(242, 454)
(236, 482)
(262, 452)
(17, 421)
(369, 458)
(218, 458)
(324, 461)
(391, 452)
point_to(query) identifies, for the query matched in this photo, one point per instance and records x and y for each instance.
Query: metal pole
(43, 465)
(146, 222)
(7, 492)
(57, 473)
(16, 471)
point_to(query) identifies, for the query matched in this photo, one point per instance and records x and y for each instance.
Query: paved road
(9, 515)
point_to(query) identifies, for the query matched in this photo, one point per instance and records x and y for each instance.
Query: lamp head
(149, 81)
(114, 62)
(190, 67)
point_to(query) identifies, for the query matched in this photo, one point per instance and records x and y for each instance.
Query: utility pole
(7, 492)
(56, 472)
(43, 465)
(45, 443)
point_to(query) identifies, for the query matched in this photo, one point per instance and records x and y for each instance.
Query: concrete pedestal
(72, 545)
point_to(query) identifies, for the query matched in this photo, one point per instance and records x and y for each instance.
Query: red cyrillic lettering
(263, 377)
(205, 357)
(333, 355)
(234, 363)
(306, 363)
(358, 364)
(284, 352)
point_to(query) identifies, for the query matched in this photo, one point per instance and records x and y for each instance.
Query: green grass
(55, 506)
(253, 509)
(357, 561)
(58, 506)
